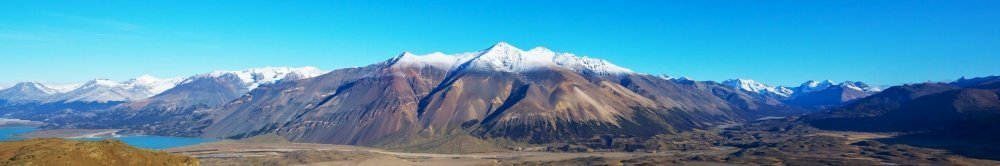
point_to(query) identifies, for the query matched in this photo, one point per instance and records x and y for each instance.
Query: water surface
(142, 141)
(7, 133)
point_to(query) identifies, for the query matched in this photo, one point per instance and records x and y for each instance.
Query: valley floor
(769, 143)
(239, 153)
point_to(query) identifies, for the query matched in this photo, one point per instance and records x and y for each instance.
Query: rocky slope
(53, 151)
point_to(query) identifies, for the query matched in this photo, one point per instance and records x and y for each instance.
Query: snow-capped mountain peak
(859, 86)
(813, 85)
(758, 87)
(26, 91)
(254, 77)
(505, 57)
(586, 64)
(32, 87)
(106, 90)
(37, 86)
(503, 48)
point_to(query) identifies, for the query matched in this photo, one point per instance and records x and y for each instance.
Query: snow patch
(63, 88)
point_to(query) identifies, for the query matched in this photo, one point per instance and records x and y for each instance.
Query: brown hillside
(53, 151)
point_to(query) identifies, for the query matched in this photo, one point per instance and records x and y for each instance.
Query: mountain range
(97, 90)
(142, 87)
(961, 116)
(499, 94)
(97, 100)
(816, 94)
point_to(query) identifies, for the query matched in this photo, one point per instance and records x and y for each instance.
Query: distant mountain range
(142, 87)
(811, 93)
(817, 94)
(97, 90)
(95, 100)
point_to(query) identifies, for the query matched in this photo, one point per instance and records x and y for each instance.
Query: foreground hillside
(82, 153)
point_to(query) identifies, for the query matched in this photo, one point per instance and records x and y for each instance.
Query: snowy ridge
(436, 59)
(26, 91)
(859, 86)
(505, 57)
(142, 87)
(63, 88)
(105, 90)
(252, 78)
(34, 91)
(804, 88)
(757, 87)
(813, 85)
(151, 84)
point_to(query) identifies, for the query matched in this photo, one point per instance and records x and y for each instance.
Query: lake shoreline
(70, 133)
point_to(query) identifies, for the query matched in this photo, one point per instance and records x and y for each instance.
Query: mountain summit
(761, 88)
(27, 92)
(507, 58)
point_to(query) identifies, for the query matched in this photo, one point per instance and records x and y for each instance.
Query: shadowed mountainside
(962, 116)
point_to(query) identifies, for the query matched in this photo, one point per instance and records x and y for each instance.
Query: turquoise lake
(148, 142)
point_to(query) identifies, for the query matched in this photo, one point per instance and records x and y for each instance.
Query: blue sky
(777, 42)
